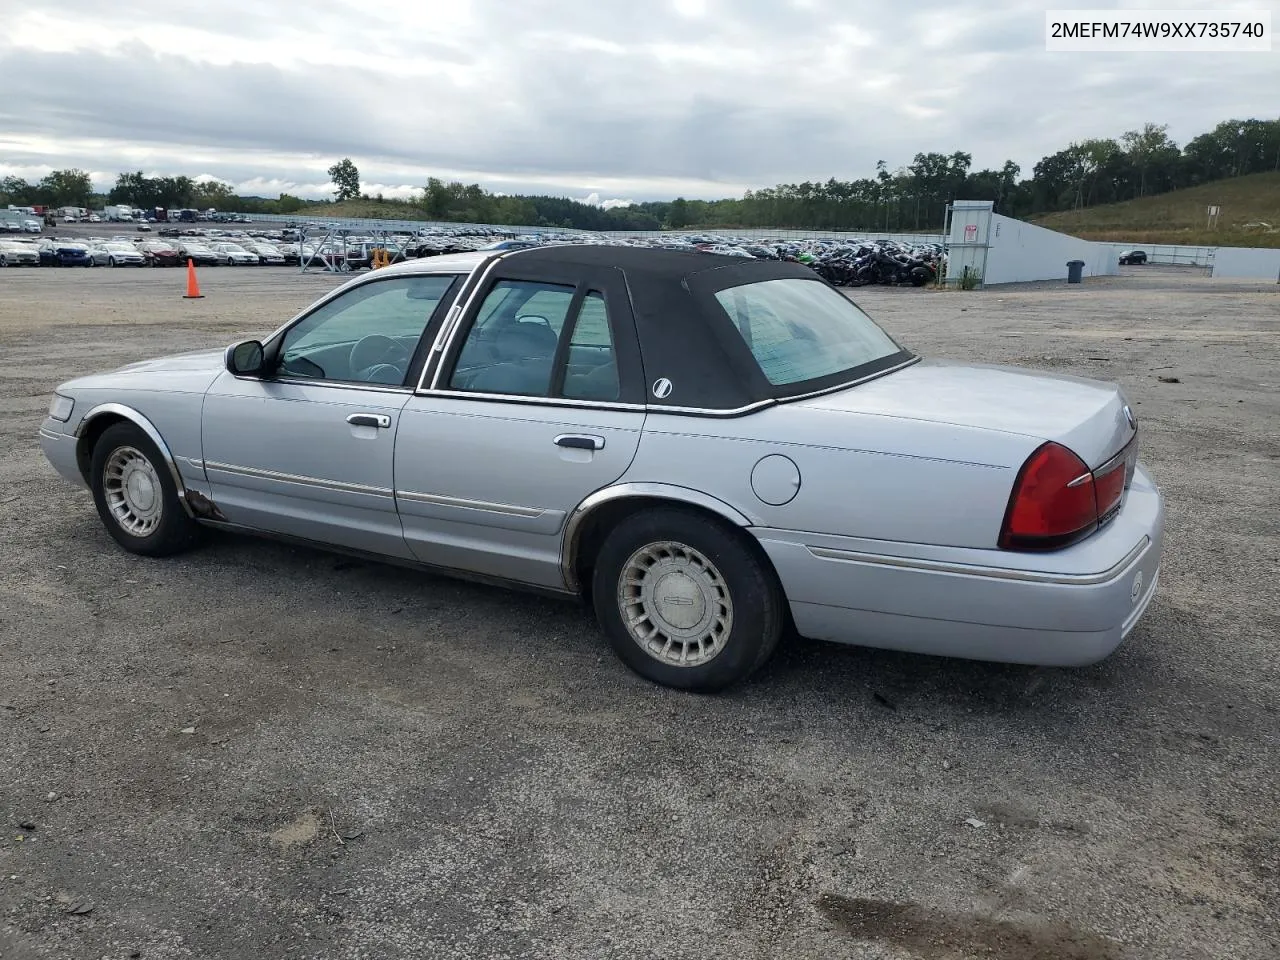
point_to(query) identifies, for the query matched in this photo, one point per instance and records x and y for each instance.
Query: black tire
(175, 531)
(752, 589)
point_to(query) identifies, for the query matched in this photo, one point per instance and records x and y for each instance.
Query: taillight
(1054, 501)
(1108, 488)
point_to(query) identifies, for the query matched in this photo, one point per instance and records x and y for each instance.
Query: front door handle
(580, 441)
(369, 420)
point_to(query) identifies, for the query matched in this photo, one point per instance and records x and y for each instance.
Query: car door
(308, 450)
(536, 401)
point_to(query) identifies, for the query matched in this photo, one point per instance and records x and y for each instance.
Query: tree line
(911, 197)
(73, 188)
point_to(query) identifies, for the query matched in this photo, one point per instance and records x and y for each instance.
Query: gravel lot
(386, 764)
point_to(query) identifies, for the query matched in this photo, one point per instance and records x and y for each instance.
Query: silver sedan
(713, 452)
(14, 254)
(117, 255)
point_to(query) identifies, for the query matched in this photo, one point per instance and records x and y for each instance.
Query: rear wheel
(136, 496)
(685, 601)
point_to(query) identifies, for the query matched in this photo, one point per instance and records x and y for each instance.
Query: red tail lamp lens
(1054, 501)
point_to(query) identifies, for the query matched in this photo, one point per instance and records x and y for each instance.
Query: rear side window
(529, 340)
(800, 330)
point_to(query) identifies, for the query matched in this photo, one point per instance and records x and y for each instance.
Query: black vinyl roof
(684, 335)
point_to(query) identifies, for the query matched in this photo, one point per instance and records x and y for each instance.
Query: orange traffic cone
(193, 286)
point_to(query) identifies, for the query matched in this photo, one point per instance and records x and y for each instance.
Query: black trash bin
(1075, 271)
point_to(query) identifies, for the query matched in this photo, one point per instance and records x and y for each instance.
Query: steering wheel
(373, 354)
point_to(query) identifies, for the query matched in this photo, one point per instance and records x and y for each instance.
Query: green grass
(364, 210)
(1250, 216)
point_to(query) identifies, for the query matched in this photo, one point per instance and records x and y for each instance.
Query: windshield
(800, 330)
(120, 248)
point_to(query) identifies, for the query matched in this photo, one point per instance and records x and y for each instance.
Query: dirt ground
(259, 751)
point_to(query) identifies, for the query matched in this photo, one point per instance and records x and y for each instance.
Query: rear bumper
(1066, 608)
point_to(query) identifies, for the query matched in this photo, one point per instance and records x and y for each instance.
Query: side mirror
(246, 359)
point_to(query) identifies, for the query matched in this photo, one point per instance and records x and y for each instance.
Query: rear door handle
(369, 420)
(580, 441)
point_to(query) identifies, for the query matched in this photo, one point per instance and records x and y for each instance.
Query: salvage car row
(128, 252)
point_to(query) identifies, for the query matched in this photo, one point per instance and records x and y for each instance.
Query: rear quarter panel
(868, 476)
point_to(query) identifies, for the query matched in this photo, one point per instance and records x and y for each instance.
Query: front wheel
(136, 496)
(685, 601)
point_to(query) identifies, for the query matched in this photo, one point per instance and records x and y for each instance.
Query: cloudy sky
(635, 99)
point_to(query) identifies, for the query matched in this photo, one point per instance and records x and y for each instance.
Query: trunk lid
(1091, 417)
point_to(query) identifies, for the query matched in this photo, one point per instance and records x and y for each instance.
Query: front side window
(801, 330)
(367, 335)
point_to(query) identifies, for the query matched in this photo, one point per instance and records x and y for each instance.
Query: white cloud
(701, 98)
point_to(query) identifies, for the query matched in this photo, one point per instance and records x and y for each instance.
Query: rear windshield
(801, 330)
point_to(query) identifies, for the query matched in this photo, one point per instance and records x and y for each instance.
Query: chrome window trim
(711, 411)
(449, 329)
(506, 509)
(853, 383)
(973, 570)
(543, 401)
(433, 391)
(335, 384)
(298, 479)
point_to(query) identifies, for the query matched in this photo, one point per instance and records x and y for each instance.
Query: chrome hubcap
(133, 492)
(675, 604)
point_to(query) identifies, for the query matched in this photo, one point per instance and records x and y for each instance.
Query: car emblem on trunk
(662, 388)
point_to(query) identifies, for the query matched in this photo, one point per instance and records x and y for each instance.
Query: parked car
(143, 227)
(267, 254)
(64, 253)
(15, 254)
(514, 244)
(116, 254)
(236, 255)
(1133, 256)
(292, 253)
(708, 449)
(201, 254)
(159, 253)
(32, 226)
